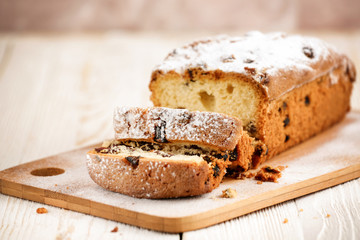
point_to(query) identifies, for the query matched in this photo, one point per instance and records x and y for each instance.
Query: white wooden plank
(20, 221)
(342, 203)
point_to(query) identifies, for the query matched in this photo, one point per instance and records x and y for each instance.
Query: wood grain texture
(62, 180)
(57, 92)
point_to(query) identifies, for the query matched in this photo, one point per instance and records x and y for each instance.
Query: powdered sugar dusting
(266, 53)
(330, 151)
(177, 125)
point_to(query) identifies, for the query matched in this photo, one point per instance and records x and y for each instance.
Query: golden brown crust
(244, 152)
(162, 125)
(304, 112)
(154, 178)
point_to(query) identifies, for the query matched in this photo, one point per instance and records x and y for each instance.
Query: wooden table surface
(58, 92)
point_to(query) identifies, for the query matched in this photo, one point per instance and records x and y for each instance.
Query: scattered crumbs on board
(285, 220)
(229, 193)
(328, 215)
(115, 230)
(269, 173)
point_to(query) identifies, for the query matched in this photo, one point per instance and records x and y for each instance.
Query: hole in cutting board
(47, 172)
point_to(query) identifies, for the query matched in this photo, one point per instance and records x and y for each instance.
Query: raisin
(350, 74)
(258, 151)
(216, 171)
(307, 100)
(133, 160)
(287, 137)
(195, 146)
(207, 159)
(284, 106)
(308, 51)
(220, 156)
(286, 121)
(190, 72)
(160, 135)
(251, 128)
(233, 155)
(99, 149)
(272, 170)
(248, 60)
(251, 71)
(264, 79)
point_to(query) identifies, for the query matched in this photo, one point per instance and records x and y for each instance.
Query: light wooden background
(58, 91)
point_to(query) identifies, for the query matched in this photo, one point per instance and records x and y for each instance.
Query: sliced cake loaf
(284, 89)
(167, 153)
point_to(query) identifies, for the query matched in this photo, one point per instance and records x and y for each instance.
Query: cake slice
(168, 153)
(284, 88)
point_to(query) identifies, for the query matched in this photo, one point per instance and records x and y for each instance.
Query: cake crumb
(328, 215)
(41, 210)
(259, 182)
(55, 185)
(285, 220)
(115, 230)
(229, 193)
(67, 187)
(241, 175)
(301, 210)
(269, 173)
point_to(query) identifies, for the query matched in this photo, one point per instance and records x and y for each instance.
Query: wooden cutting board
(328, 159)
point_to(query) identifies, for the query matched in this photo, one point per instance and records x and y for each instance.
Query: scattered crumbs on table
(115, 229)
(41, 210)
(55, 185)
(301, 210)
(328, 215)
(229, 193)
(285, 220)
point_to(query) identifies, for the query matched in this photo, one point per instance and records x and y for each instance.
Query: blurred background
(179, 15)
(64, 65)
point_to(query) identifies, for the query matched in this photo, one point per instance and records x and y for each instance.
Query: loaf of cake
(284, 88)
(168, 153)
